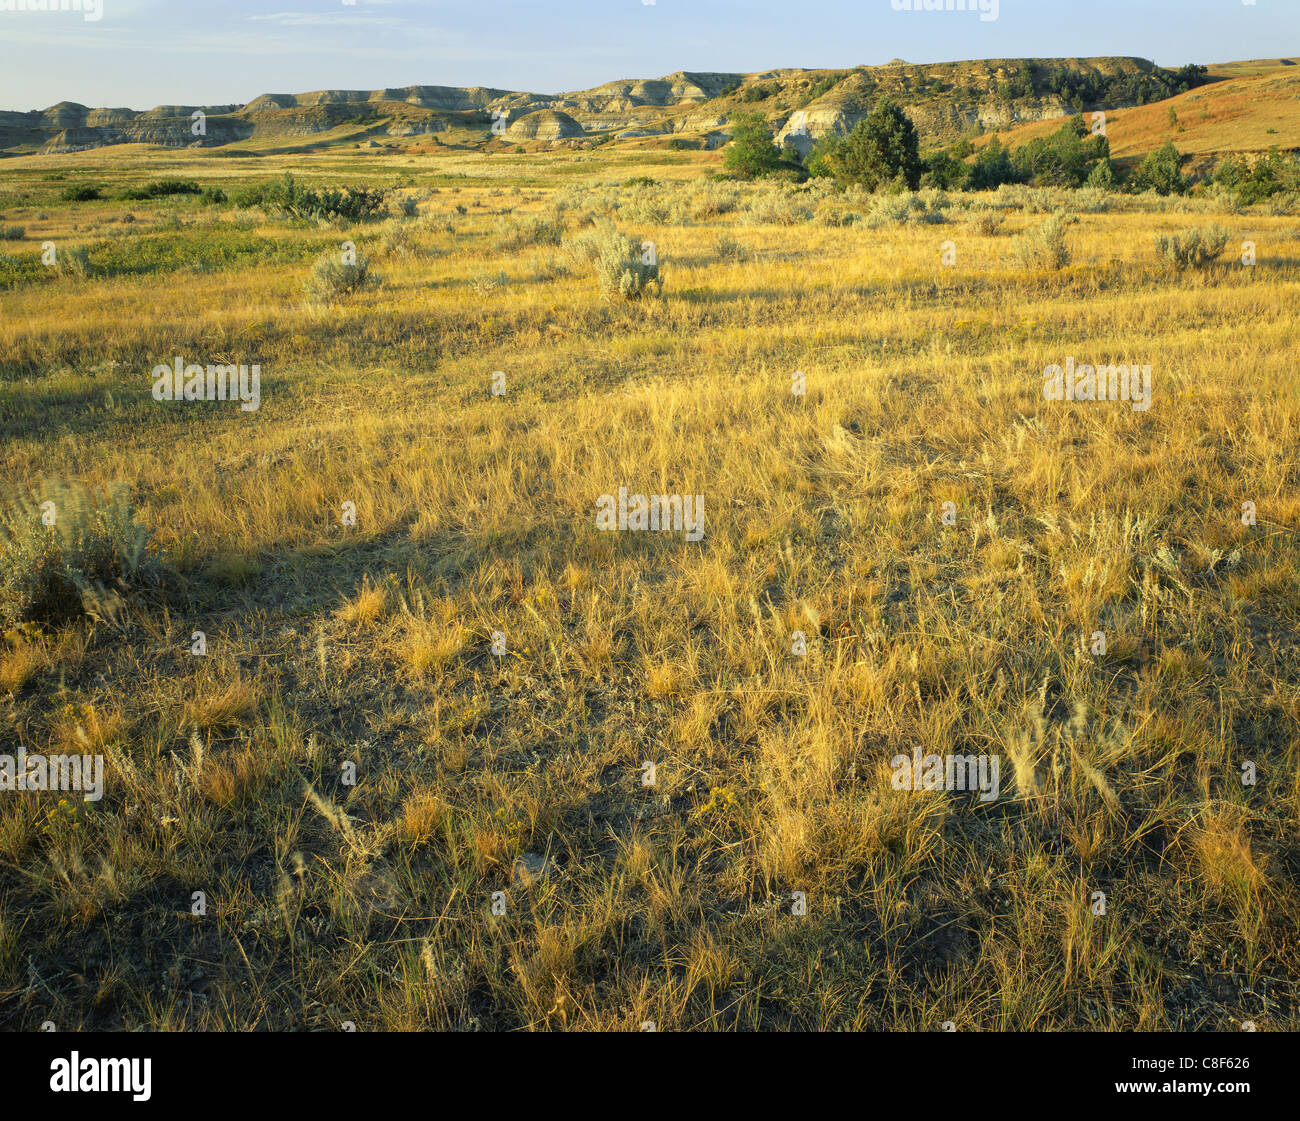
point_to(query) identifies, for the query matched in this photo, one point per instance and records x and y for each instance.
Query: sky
(142, 53)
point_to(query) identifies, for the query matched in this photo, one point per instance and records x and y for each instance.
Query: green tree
(992, 168)
(881, 151)
(751, 151)
(1162, 172)
(1102, 175)
(943, 171)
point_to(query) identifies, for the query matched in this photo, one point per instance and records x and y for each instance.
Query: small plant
(83, 192)
(71, 553)
(1192, 248)
(485, 282)
(12, 233)
(620, 263)
(333, 279)
(986, 223)
(213, 196)
(61, 820)
(730, 250)
(409, 207)
(530, 231)
(1043, 247)
(397, 242)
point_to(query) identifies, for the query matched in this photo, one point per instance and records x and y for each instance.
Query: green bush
(12, 233)
(1102, 175)
(1270, 175)
(85, 192)
(213, 196)
(94, 550)
(161, 188)
(349, 204)
(1192, 248)
(1162, 172)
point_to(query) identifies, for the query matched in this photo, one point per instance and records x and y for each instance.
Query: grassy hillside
(1251, 112)
(966, 628)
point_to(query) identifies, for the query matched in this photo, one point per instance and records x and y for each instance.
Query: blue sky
(149, 52)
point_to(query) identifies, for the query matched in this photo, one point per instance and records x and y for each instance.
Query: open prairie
(397, 732)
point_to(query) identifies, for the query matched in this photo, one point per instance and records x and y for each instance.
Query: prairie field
(397, 734)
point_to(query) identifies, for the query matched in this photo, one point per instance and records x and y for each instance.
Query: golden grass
(340, 651)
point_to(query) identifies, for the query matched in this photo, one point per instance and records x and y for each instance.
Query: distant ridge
(945, 101)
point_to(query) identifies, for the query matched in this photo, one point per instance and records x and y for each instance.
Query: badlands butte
(945, 101)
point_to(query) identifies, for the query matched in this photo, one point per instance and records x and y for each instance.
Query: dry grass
(351, 774)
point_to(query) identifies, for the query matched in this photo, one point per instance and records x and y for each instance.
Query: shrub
(1091, 200)
(583, 248)
(1161, 172)
(161, 188)
(713, 200)
(1043, 247)
(646, 207)
(333, 278)
(1192, 248)
(730, 250)
(1102, 176)
(888, 210)
(485, 282)
(1029, 200)
(986, 223)
(213, 196)
(85, 192)
(398, 242)
(12, 233)
(349, 204)
(992, 167)
(94, 550)
(1269, 175)
(621, 270)
(530, 231)
(778, 210)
